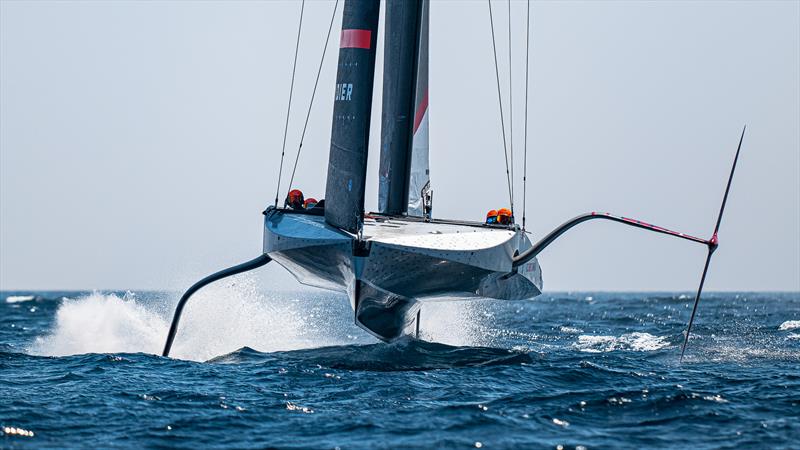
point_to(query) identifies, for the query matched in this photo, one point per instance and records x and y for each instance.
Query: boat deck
(406, 231)
(434, 235)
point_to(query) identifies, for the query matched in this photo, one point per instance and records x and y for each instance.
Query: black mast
(401, 55)
(347, 166)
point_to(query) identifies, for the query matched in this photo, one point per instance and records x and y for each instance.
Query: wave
(403, 355)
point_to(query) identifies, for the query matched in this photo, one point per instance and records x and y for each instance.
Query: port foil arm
(176, 318)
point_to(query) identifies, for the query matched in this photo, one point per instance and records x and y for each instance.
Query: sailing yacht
(390, 261)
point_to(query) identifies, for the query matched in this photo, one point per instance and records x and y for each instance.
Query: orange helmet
(491, 216)
(309, 203)
(295, 198)
(504, 216)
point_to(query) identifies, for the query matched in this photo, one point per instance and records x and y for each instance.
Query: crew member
(491, 217)
(295, 199)
(504, 216)
(310, 203)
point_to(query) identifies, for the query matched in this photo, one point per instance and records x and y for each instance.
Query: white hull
(399, 261)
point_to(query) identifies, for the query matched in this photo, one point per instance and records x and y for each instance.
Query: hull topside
(398, 262)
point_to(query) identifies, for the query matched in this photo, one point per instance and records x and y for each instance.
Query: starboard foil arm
(543, 243)
(244, 267)
(713, 243)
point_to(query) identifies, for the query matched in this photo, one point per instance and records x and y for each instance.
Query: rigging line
(313, 93)
(289, 107)
(510, 108)
(525, 139)
(500, 100)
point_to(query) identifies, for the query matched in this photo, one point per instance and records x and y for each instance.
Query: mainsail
(404, 131)
(419, 184)
(347, 165)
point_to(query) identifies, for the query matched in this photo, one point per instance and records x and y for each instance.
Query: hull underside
(400, 261)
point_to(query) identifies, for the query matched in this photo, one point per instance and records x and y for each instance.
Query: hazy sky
(140, 141)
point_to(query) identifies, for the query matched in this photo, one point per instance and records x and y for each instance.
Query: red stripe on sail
(421, 108)
(356, 39)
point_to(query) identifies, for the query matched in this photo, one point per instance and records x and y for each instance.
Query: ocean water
(253, 369)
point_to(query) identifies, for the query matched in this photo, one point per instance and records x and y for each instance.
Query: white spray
(220, 318)
(227, 316)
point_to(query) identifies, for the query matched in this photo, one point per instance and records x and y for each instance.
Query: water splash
(454, 323)
(232, 315)
(102, 323)
(227, 316)
(219, 319)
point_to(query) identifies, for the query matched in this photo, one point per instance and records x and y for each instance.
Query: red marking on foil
(421, 108)
(356, 39)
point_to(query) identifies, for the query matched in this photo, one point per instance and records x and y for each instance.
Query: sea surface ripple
(290, 370)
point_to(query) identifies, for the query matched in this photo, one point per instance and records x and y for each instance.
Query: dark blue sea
(254, 369)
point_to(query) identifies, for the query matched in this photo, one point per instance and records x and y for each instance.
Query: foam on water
(570, 330)
(19, 298)
(789, 325)
(638, 342)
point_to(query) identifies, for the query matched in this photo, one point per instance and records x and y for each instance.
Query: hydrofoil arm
(537, 248)
(176, 318)
(711, 243)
